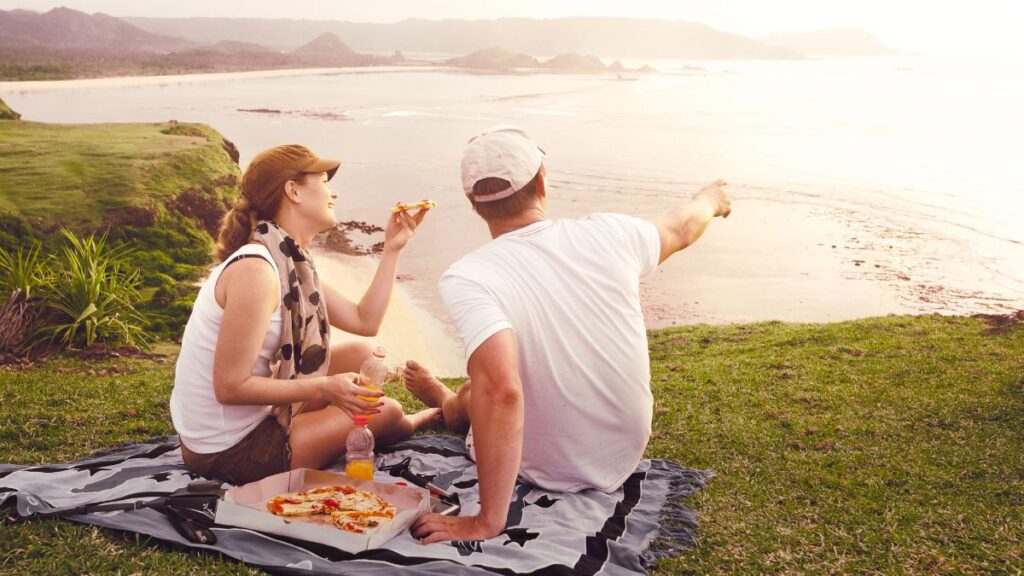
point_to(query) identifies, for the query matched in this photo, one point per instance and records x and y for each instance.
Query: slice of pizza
(361, 512)
(329, 492)
(294, 504)
(358, 522)
(422, 204)
(306, 503)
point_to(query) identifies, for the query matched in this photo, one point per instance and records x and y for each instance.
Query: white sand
(129, 81)
(408, 331)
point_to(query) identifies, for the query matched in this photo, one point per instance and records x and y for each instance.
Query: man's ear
(291, 191)
(542, 186)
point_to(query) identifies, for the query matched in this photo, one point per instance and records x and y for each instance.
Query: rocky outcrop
(494, 59)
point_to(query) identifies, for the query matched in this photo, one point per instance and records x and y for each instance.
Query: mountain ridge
(610, 37)
(67, 28)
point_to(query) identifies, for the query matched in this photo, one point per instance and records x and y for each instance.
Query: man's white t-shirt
(570, 292)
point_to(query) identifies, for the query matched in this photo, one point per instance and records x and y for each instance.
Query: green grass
(75, 175)
(160, 187)
(881, 446)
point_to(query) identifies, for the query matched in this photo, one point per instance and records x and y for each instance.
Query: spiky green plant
(22, 273)
(93, 297)
(26, 269)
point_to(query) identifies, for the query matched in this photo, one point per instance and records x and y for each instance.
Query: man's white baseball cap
(504, 152)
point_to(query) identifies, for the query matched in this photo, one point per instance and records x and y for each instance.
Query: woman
(258, 388)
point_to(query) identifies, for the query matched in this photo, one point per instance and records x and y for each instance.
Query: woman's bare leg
(318, 434)
(345, 357)
(432, 392)
(317, 437)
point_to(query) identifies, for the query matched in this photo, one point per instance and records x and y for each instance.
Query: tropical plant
(21, 274)
(93, 297)
(25, 269)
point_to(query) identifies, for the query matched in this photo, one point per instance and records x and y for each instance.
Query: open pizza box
(246, 507)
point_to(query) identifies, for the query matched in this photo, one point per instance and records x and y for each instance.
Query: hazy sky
(948, 27)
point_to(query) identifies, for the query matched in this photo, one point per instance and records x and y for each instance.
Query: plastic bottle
(372, 372)
(359, 450)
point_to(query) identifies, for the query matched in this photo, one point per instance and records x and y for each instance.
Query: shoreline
(409, 331)
(24, 86)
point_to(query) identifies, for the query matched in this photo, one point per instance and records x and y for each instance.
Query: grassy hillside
(881, 446)
(82, 176)
(161, 187)
(6, 113)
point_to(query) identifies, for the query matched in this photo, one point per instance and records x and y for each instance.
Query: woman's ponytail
(235, 228)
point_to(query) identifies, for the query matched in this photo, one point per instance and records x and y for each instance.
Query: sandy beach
(409, 332)
(137, 81)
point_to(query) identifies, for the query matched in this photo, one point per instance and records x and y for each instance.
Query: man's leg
(432, 392)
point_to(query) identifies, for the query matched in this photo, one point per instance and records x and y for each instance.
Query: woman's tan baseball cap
(271, 168)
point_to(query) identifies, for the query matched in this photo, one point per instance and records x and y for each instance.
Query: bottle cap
(361, 420)
(380, 352)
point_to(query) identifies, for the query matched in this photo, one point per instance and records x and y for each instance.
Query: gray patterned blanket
(621, 533)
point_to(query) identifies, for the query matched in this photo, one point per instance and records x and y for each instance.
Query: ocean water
(861, 187)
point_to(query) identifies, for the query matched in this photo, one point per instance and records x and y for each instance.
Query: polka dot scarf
(305, 334)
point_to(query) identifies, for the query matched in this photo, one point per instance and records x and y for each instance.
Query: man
(549, 312)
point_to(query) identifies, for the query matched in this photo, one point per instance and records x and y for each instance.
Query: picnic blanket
(590, 532)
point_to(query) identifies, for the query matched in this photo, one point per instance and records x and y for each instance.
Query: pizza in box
(344, 507)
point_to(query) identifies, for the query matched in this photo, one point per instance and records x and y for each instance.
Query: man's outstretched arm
(683, 225)
(496, 413)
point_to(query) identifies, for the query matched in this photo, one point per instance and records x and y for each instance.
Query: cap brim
(324, 165)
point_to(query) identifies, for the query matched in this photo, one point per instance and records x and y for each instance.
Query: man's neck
(531, 216)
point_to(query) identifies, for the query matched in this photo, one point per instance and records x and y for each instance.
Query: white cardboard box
(245, 506)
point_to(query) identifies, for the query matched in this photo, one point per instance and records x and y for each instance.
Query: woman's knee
(391, 410)
(391, 424)
(349, 356)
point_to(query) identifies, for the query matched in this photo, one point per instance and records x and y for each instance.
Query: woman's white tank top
(204, 424)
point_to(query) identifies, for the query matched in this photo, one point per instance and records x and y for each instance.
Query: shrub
(23, 270)
(93, 297)
(21, 275)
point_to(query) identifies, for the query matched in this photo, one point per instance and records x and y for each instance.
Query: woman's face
(317, 200)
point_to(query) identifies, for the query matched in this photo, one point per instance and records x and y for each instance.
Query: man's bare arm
(683, 225)
(496, 411)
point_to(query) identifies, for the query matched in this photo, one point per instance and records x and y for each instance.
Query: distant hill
(235, 47)
(611, 37)
(834, 42)
(494, 59)
(67, 28)
(576, 63)
(326, 44)
(500, 59)
(329, 50)
(64, 43)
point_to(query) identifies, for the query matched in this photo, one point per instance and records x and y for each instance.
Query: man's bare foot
(426, 418)
(424, 386)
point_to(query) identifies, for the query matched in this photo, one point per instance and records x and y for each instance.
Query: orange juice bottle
(372, 372)
(359, 450)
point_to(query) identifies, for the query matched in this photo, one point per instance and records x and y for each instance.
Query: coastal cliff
(6, 113)
(161, 188)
